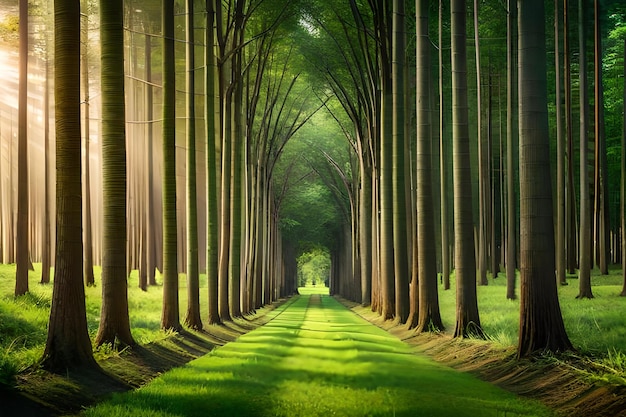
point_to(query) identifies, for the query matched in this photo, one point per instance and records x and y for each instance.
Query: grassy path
(316, 358)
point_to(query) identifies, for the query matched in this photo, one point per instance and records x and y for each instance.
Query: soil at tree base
(560, 385)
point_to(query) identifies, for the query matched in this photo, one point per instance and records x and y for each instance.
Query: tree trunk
(399, 202)
(114, 320)
(46, 247)
(570, 232)
(584, 272)
(211, 166)
(482, 180)
(170, 314)
(467, 317)
(443, 153)
(623, 190)
(560, 160)
(601, 193)
(511, 139)
(429, 318)
(68, 345)
(21, 236)
(87, 233)
(541, 324)
(192, 319)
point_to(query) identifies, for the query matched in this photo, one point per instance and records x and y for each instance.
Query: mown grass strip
(316, 358)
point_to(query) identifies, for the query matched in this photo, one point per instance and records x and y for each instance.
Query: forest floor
(565, 383)
(42, 394)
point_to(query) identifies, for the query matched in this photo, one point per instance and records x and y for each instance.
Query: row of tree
(389, 257)
(252, 101)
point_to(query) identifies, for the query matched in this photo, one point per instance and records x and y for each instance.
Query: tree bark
(21, 236)
(467, 316)
(541, 324)
(170, 313)
(68, 345)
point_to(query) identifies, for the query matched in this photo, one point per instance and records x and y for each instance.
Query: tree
(192, 318)
(22, 233)
(211, 168)
(170, 314)
(399, 203)
(114, 322)
(623, 185)
(511, 138)
(429, 318)
(541, 323)
(88, 235)
(467, 317)
(584, 251)
(560, 160)
(68, 345)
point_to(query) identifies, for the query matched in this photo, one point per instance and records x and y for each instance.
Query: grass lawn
(316, 358)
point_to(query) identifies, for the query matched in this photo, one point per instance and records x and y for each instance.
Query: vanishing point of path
(316, 358)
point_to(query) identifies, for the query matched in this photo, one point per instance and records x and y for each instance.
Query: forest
(175, 169)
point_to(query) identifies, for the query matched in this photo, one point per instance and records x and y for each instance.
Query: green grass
(595, 327)
(316, 359)
(23, 320)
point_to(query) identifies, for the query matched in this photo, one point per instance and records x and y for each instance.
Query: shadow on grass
(283, 370)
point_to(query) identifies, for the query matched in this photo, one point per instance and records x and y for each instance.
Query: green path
(316, 358)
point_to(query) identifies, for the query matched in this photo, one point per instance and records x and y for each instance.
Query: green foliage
(316, 358)
(314, 267)
(9, 30)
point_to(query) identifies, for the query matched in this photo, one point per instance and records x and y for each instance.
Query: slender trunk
(429, 318)
(192, 318)
(560, 160)
(87, 233)
(482, 189)
(399, 202)
(467, 316)
(211, 166)
(601, 210)
(570, 233)
(511, 139)
(443, 153)
(21, 236)
(170, 314)
(584, 272)
(623, 188)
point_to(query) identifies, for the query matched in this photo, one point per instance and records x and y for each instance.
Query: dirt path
(317, 358)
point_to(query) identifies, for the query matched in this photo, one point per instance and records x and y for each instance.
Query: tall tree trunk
(443, 153)
(151, 236)
(570, 232)
(46, 247)
(68, 344)
(87, 233)
(511, 139)
(601, 209)
(170, 314)
(467, 317)
(560, 160)
(584, 271)
(114, 320)
(399, 203)
(192, 319)
(211, 166)
(429, 318)
(482, 188)
(21, 236)
(541, 324)
(623, 185)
